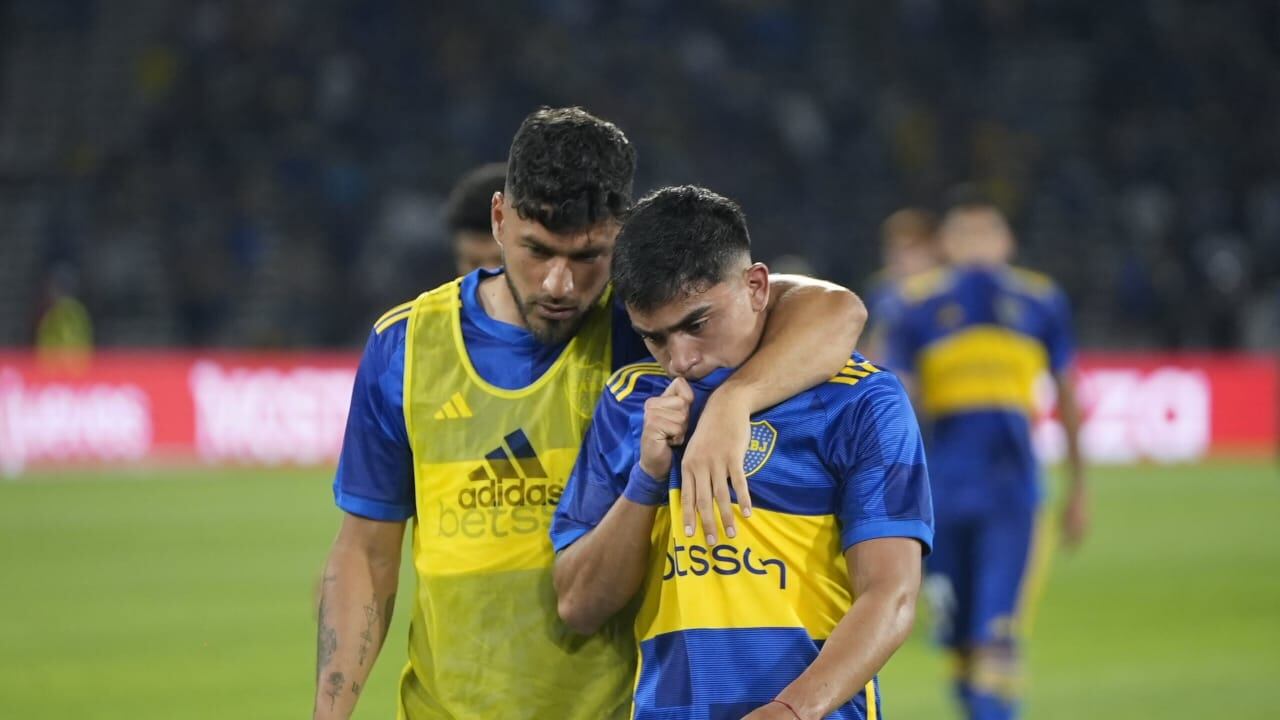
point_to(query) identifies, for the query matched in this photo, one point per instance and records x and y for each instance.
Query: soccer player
(468, 410)
(467, 217)
(791, 615)
(908, 246)
(973, 339)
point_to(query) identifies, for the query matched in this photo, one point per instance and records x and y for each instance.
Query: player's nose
(684, 356)
(559, 280)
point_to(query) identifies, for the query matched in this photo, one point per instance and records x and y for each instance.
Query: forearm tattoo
(326, 635)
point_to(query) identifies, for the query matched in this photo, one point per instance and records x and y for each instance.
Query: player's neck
(497, 301)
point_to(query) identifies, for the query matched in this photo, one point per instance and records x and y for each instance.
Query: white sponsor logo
(63, 422)
(267, 415)
(1131, 415)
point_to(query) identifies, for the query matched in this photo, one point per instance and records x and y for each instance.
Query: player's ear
(757, 280)
(496, 216)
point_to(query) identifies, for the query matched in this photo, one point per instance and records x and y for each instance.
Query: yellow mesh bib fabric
(485, 641)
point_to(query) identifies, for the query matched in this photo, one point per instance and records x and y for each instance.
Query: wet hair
(678, 240)
(468, 206)
(568, 170)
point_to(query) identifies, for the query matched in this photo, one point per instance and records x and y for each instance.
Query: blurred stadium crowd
(226, 172)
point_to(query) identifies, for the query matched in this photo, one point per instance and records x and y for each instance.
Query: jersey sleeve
(1059, 339)
(873, 444)
(375, 469)
(886, 305)
(628, 347)
(901, 345)
(609, 451)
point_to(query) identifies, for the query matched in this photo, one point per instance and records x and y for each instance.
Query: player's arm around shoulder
(811, 329)
(604, 521)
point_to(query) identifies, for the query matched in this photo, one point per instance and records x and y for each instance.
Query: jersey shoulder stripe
(924, 285)
(853, 371)
(1031, 282)
(439, 299)
(390, 322)
(393, 316)
(623, 382)
(620, 375)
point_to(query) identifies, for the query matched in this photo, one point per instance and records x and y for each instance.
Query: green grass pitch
(189, 594)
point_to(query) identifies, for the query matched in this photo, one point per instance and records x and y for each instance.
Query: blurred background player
(468, 219)
(64, 332)
(908, 245)
(975, 337)
(841, 511)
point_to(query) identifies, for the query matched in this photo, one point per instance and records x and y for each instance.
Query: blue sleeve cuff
(372, 509)
(917, 529)
(643, 489)
(562, 539)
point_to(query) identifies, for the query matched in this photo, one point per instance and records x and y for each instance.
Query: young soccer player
(908, 246)
(468, 409)
(973, 339)
(792, 613)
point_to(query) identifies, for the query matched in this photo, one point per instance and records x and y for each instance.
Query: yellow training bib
(485, 640)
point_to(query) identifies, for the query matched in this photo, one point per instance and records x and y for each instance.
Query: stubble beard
(546, 331)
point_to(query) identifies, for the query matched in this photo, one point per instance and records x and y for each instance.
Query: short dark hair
(468, 206)
(568, 169)
(677, 240)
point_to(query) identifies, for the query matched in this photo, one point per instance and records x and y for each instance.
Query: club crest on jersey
(759, 447)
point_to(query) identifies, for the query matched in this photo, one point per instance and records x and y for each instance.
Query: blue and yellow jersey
(976, 339)
(883, 305)
(470, 427)
(722, 630)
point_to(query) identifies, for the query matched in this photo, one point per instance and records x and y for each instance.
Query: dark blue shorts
(978, 576)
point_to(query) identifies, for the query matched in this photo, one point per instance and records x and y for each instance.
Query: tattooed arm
(356, 600)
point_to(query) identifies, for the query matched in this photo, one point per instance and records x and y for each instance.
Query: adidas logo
(453, 408)
(509, 479)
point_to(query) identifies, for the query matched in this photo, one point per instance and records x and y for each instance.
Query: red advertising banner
(251, 408)
(290, 408)
(1169, 407)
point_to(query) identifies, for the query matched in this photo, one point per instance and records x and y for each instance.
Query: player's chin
(553, 332)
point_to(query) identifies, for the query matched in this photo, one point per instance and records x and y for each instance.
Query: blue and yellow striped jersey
(722, 630)
(976, 340)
